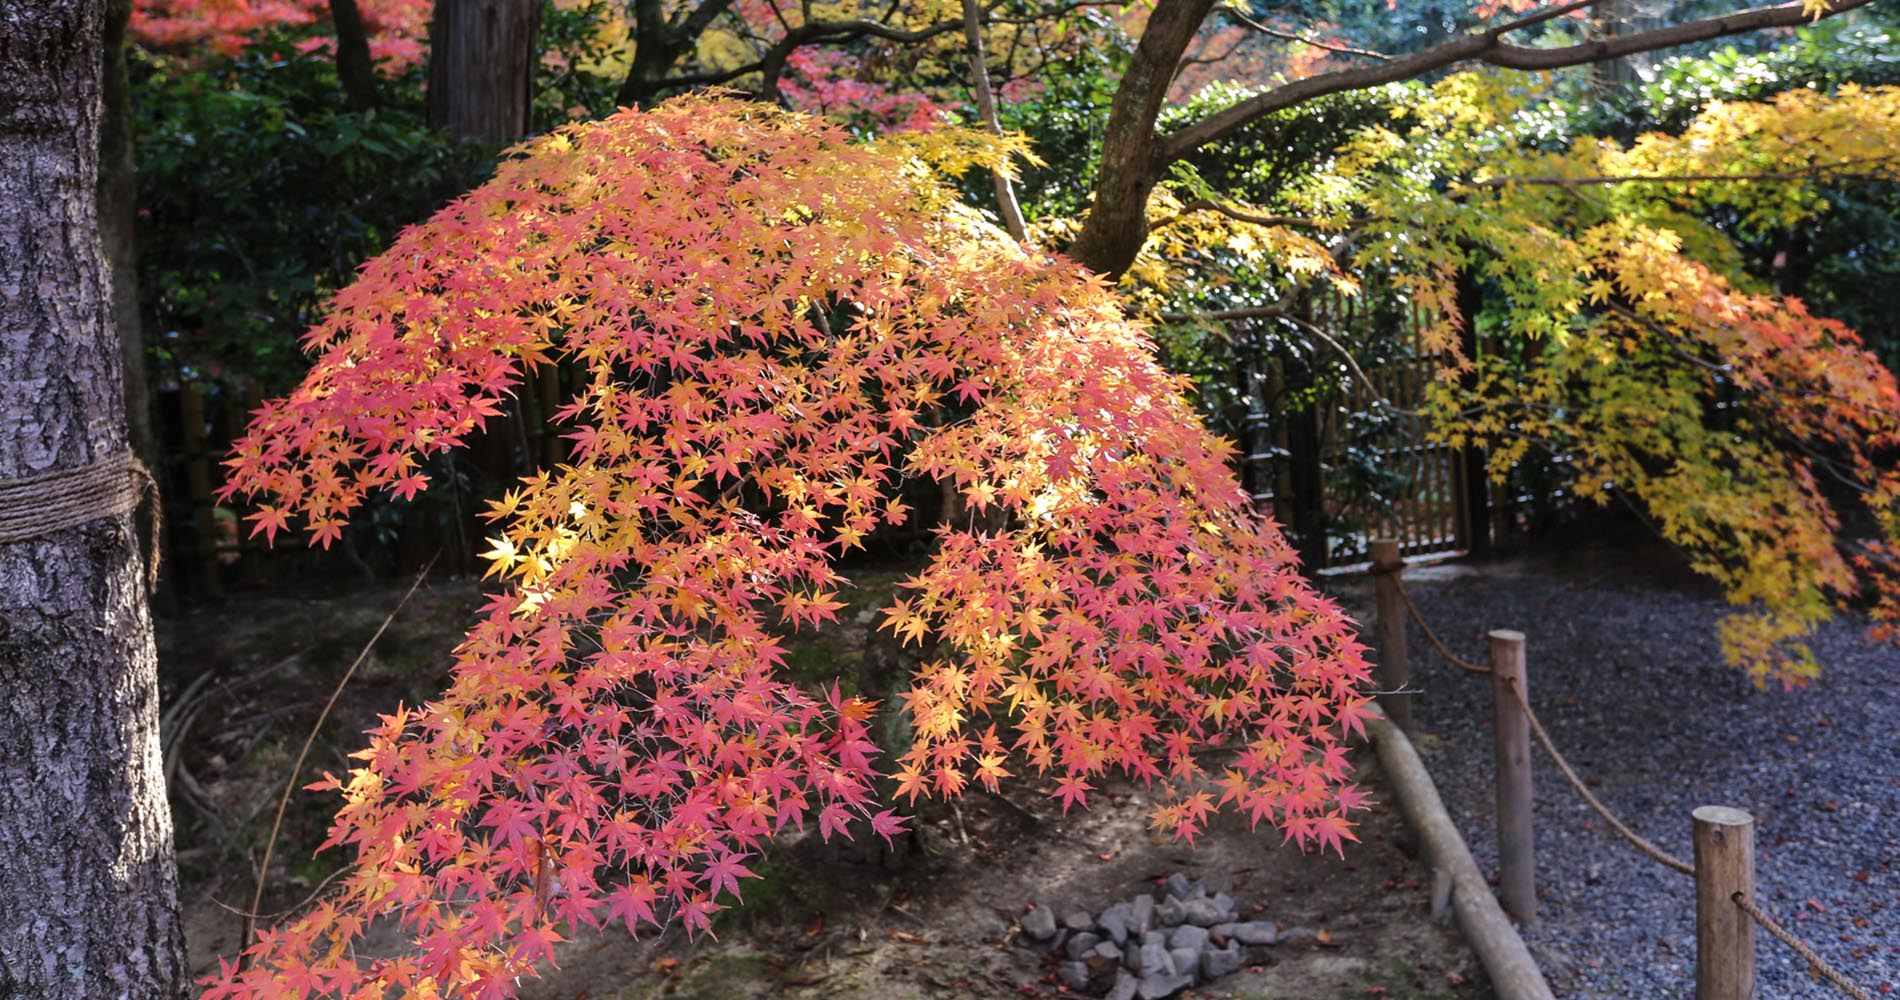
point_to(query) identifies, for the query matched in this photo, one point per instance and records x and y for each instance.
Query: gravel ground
(1629, 680)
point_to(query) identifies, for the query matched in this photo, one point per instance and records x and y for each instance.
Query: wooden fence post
(1517, 857)
(1395, 663)
(1724, 935)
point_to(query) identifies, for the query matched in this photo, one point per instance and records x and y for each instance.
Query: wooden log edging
(1514, 974)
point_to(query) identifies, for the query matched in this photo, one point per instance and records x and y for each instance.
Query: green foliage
(260, 193)
(578, 74)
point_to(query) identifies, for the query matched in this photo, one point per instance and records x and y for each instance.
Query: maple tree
(1624, 334)
(772, 323)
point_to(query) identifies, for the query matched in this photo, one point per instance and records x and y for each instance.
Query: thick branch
(1487, 47)
(1130, 165)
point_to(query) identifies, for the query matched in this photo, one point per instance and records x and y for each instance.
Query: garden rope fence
(1818, 965)
(1418, 618)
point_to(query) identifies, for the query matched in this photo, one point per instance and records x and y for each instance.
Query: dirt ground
(246, 677)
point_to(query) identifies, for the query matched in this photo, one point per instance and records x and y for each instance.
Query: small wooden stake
(1395, 662)
(1724, 935)
(1517, 857)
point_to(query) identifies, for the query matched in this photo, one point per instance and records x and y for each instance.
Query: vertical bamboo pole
(1724, 935)
(1395, 662)
(1517, 859)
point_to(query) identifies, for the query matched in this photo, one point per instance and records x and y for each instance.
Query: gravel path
(1629, 681)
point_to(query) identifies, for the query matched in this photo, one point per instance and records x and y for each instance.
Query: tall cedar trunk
(481, 68)
(353, 65)
(87, 884)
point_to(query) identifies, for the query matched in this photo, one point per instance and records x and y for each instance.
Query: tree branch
(986, 106)
(1289, 36)
(1486, 47)
(1207, 205)
(1836, 169)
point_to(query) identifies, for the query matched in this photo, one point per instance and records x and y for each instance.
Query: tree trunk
(481, 68)
(1131, 163)
(353, 65)
(87, 883)
(118, 224)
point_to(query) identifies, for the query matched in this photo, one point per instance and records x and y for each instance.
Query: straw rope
(1418, 616)
(35, 506)
(1815, 962)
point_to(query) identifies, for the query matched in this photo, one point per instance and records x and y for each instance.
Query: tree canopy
(774, 322)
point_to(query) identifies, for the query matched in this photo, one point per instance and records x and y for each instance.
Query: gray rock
(1178, 886)
(1203, 913)
(1104, 951)
(1115, 922)
(1222, 932)
(1124, 988)
(1160, 985)
(1226, 904)
(1061, 938)
(1188, 936)
(1079, 920)
(1170, 913)
(1156, 936)
(1081, 943)
(1074, 974)
(1039, 923)
(1187, 961)
(1153, 959)
(1222, 962)
(1141, 914)
(1256, 932)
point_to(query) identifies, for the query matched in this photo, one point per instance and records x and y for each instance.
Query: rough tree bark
(481, 68)
(87, 883)
(118, 223)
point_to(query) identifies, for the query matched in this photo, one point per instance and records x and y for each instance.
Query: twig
(270, 842)
(1290, 36)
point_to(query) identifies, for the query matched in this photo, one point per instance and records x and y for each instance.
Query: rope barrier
(1815, 962)
(1418, 616)
(1636, 840)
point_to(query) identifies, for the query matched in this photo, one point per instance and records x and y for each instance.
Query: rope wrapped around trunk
(35, 506)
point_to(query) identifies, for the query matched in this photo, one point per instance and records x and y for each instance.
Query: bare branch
(1290, 36)
(1223, 315)
(1206, 205)
(986, 106)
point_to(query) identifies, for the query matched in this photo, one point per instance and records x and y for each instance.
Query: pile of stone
(1148, 949)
